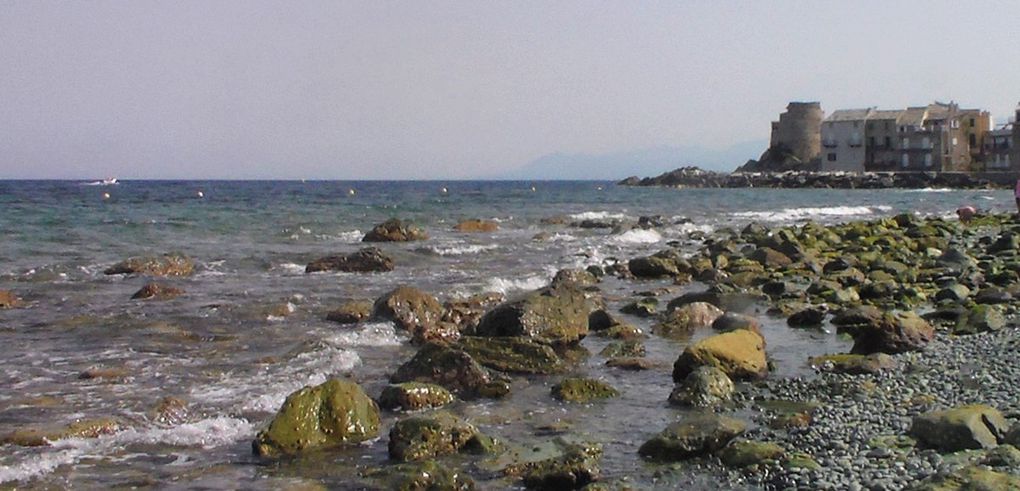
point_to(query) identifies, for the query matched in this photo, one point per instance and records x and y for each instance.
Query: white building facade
(843, 143)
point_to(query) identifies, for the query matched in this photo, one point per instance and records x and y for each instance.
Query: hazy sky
(384, 90)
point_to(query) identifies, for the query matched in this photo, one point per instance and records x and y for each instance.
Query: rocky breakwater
(694, 177)
(926, 397)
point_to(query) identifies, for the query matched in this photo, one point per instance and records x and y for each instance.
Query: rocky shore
(694, 177)
(925, 399)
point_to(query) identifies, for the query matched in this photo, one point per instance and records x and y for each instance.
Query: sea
(251, 327)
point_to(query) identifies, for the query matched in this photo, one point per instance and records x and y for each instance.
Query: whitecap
(38, 465)
(930, 190)
(461, 250)
(598, 215)
(504, 286)
(793, 214)
(369, 334)
(637, 236)
(288, 268)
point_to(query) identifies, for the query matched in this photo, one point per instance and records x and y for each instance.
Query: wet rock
(853, 364)
(808, 317)
(770, 258)
(576, 466)
(37, 436)
(466, 312)
(170, 411)
(575, 277)
(106, 373)
(853, 319)
(351, 312)
(394, 230)
(704, 387)
(644, 307)
(476, 226)
(334, 413)
(682, 321)
(632, 364)
(961, 428)
(662, 264)
(414, 396)
(554, 316)
(166, 265)
(993, 295)
(980, 318)
(425, 437)
(367, 260)
(633, 349)
(895, 332)
(749, 453)
(582, 390)
(740, 354)
(412, 310)
(449, 367)
(427, 475)
(157, 291)
(695, 435)
(732, 321)
(600, 320)
(622, 331)
(970, 478)
(8, 300)
(512, 354)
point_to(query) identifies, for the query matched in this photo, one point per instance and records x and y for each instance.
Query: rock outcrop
(367, 260)
(394, 230)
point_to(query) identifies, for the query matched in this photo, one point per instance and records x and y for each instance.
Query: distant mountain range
(642, 162)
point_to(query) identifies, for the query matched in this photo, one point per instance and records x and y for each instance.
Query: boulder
(954, 293)
(643, 307)
(583, 390)
(770, 258)
(37, 436)
(740, 354)
(807, 317)
(425, 437)
(749, 453)
(696, 435)
(410, 309)
(654, 266)
(853, 319)
(351, 312)
(512, 354)
(394, 230)
(732, 321)
(414, 396)
(8, 300)
(682, 321)
(704, 387)
(166, 265)
(427, 475)
(993, 295)
(895, 332)
(980, 318)
(574, 277)
(631, 363)
(157, 291)
(960, 428)
(624, 349)
(334, 413)
(476, 226)
(449, 367)
(574, 466)
(853, 364)
(466, 312)
(367, 260)
(554, 315)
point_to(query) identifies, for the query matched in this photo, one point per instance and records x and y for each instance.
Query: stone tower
(799, 130)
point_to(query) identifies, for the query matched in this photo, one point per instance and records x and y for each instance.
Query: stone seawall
(693, 177)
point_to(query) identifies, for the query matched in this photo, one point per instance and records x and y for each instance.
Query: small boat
(112, 181)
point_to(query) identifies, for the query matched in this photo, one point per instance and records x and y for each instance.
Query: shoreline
(694, 177)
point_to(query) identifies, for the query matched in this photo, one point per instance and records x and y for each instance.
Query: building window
(926, 142)
(888, 142)
(905, 161)
(905, 143)
(973, 137)
(832, 157)
(954, 141)
(927, 160)
(971, 122)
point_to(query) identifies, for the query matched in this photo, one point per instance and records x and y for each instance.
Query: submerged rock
(583, 390)
(414, 396)
(394, 230)
(367, 260)
(333, 413)
(740, 354)
(37, 436)
(425, 437)
(476, 226)
(551, 315)
(157, 291)
(705, 386)
(8, 300)
(166, 265)
(576, 466)
(351, 312)
(695, 435)
(961, 428)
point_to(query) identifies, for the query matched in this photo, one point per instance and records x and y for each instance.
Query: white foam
(462, 250)
(38, 465)
(637, 236)
(288, 268)
(504, 286)
(561, 237)
(369, 334)
(793, 214)
(350, 236)
(598, 215)
(930, 190)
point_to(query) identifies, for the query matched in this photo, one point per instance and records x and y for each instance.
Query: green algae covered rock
(853, 364)
(451, 368)
(334, 413)
(37, 436)
(740, 354)
(583, 390)
(575, 466)
(705, 386)
(427, 475)
(693, 436)
(424, 437)
(414, 396)
(554, 315)
(748, 453)
(980, 318)
(970, 478)
(960, 428)
(512, 354)
(625, 349)
(166, 265)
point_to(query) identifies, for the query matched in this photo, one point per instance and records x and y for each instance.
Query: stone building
(843, 140)
(881, 131)
(998, 149)
(975, 124)
(932, 139)
(798, 131)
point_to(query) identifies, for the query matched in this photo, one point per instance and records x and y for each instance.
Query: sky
(458, 90)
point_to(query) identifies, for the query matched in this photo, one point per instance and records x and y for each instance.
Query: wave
(598, 215)
(460, 250)
(793, 214)
(637, 236)
(930, 190)
(288, 268)
(504, 286)
(369, 334)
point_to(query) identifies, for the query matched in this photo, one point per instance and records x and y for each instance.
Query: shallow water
(227, 348)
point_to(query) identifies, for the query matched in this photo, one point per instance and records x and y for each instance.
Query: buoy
(533, 189)
(106, 195)
(201, 194)
(350, 192)
(598, 188)
(444, 191)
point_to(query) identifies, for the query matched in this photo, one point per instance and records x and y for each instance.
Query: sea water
(250, 328)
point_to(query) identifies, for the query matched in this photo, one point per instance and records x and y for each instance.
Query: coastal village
(939, 137)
